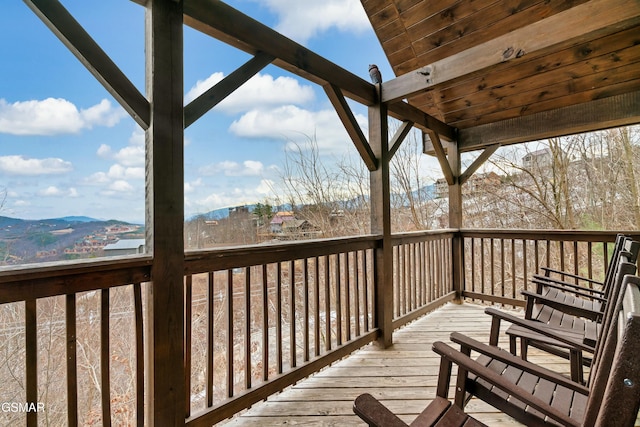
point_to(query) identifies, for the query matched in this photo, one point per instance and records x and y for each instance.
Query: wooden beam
(225, 23)
(165, 214)
(381, 224)
(399, 137)
(442, 158)
(351, 125)
(214, 95)
(80, 43)
(574, 23)
(473, 167)
(614, 111)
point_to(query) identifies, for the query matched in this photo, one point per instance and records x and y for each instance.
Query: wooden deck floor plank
(403, 376)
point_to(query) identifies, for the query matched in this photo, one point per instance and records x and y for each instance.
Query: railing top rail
(425, 235)
(244, 256)
(575, 235)
(52, 279)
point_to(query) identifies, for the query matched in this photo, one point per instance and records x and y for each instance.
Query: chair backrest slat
(614, 397)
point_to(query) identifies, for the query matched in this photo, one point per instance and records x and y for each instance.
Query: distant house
(279, 219)
(478, 182)
(125, 247)
(539, 158)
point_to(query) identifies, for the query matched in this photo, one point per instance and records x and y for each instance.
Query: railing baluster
(482, 264)
(316, 286)
(525, 279)
(31, 356)
(305, 315)
(513, 269)
(210, 336)
(247, 328)
(188, 319)
(590, 261)
(502, 268)
(279, 354)
(327, 304)
(365, 270)
(396, 283)
(338, 300)
(265, 323)
(137, 304)
(347, 297)
(72, 368)
(230, 335)
(105, 359)
(575, 260)
(292, 315)
(356, 270)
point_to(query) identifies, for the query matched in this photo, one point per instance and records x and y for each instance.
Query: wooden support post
(165, 214)
(381, 222)
(455, 219)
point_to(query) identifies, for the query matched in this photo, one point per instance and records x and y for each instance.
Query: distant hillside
(26, 241)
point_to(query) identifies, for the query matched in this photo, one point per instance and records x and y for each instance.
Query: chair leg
(576, 362)
(524, 347)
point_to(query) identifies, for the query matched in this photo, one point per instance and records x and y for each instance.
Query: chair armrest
(566, 308)
(548, 271)
(375, 413)
(540, 328)
(510, 359)
(466, 363)
(570, 287)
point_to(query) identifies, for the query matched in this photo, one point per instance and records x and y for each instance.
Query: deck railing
(422, 273)
(261, 318)
(498, 264)
(258, 319)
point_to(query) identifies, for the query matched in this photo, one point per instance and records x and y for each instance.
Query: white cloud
(121, 186)
(261, 91)
(302, 20)
(20, 165)
(104, 151)
(190, 187)
(53, 191)
(233, 197)
(133, 155)
(54, 116)
(50, 191)
(230, 168)
(297, 125)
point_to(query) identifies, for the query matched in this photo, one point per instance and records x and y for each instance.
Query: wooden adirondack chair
(537, 396)
(439, 412)
(571, 298)
(558, 279)
(533, 395)
(560, 333)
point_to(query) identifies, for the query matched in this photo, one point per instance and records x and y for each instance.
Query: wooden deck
(403, 376)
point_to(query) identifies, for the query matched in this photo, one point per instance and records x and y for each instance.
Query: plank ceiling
(563, 66)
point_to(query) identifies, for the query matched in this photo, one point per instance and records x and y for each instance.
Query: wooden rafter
(351, 125)
(574, 24)
(80, 43)
(619, 110)
(214, 95)
(473, 167)
(404, 111)
(399, 137)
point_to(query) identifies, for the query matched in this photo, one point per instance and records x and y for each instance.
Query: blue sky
(68, 148)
